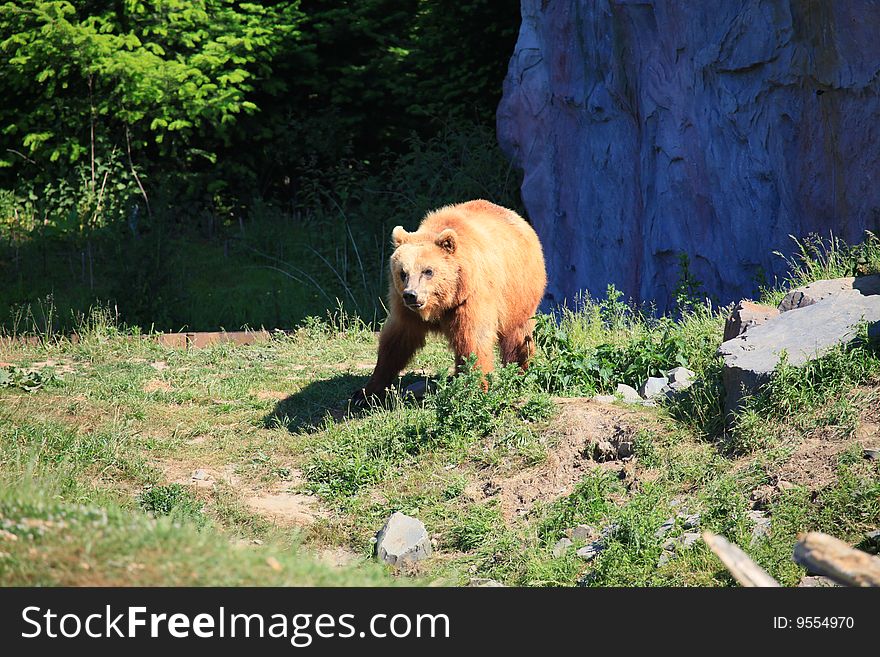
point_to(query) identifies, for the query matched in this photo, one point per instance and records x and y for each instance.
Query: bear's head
(424, 271)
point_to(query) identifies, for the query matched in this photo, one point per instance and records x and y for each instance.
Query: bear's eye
(402, 275)
(428, 273)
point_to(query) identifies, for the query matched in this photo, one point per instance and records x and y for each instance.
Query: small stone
(484, 582)
(610, 530)
(761, 527)
(201, 475)
(680, 376)
(782, 484)
(815, 581)
(604, 451)
(745, 315)
(653, 387)
(402, 540)
(562, 546)
(689, 521)
(418, 389)
(624, 449)
(684, 541)
(604, 399)
(583, 533)
(872, 454)
(664, 559)
(630, 395)
(589, 552)
(664, 528)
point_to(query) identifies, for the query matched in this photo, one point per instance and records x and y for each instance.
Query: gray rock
(689, 521)
(610, 530)
(745, 315)
(201, 475)
(605, 399)
(683, 541)
(589, 552)
(419, 389)
(761, 526)
(402, 540)
(582, 533)
(484, 582)
(665, 528)
(804, 334)
(653, 387)
(815, 581)
(562, 546)
(630, 395)
(871, 454)
(807, 295)
(664, 559)
(680, 375)
(718, 110)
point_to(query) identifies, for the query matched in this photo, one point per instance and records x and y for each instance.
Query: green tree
(164, 77)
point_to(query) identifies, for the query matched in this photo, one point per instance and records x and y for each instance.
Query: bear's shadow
(306, 409)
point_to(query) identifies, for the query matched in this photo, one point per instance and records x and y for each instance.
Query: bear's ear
(399, 235)
(446, 240)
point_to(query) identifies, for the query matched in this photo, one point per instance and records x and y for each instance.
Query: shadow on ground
(306, 409)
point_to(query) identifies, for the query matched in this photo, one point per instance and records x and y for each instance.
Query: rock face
(809, 330)
(653, 128)
(402, 540)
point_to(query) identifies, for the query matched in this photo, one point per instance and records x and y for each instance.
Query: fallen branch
(744, 570)
(826, 555)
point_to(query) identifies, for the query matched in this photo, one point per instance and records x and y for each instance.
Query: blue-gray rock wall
(716, 129)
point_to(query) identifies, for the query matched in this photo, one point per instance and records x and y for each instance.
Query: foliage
(28, 380)
(171, 500)
(818, 258)
(464, 408)
(138, 71)
(579, 358)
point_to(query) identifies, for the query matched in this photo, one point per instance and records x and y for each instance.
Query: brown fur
(487, 280)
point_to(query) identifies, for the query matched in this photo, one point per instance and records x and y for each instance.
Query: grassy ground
(125, 462)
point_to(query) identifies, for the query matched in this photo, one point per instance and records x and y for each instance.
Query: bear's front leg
(398, 341)
(468, 336)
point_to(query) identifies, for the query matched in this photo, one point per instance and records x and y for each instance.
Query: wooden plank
(829, 556)
(172, 340)
(744, 570)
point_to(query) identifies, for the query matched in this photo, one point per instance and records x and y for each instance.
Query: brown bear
(473, 272)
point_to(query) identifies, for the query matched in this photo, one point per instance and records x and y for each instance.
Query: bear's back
(500, 254)
(482, 226)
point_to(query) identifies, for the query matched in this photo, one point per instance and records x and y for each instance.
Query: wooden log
(744, 570)
(829, 556)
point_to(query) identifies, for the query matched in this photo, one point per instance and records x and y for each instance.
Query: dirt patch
(582, 430)
(271, 395)
(284, 507)
(157, 385)
(814, 462)
(278, 504)
(338, 557)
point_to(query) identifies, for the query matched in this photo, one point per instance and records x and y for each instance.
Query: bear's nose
(410, 298)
